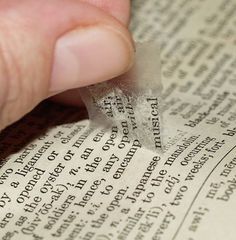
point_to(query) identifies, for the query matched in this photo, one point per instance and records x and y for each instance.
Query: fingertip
(90, 55)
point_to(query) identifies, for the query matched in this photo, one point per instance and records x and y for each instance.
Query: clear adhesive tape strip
(131, 102)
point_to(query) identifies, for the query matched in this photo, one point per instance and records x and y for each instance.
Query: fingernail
(90, 55)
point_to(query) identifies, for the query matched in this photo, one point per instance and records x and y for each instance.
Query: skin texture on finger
(29, 32)
(54, 17)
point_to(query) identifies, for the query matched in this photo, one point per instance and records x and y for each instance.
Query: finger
(48, 47)
(120, 9)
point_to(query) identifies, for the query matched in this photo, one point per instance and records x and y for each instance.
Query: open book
(60, 179)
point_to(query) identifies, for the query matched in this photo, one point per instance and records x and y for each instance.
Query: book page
(61, 179)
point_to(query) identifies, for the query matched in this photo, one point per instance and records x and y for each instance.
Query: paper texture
(132, 101)
(60, 179)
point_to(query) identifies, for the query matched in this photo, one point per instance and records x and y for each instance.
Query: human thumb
(47, 47)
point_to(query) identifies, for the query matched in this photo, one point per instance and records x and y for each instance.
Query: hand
(49, 47)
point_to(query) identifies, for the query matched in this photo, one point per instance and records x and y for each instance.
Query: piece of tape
(131, 102)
